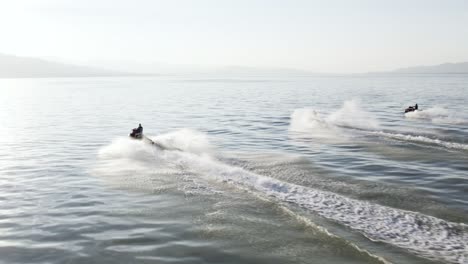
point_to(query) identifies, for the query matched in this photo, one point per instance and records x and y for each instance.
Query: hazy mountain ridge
(461, 67)
(28, 67)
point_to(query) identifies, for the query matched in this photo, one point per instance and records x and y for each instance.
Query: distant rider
(411, 108)
(139, 129)
(137, 132)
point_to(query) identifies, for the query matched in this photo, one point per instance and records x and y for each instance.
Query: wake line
(322, 229)
(424, 235)
(421, 139)
(421, 234)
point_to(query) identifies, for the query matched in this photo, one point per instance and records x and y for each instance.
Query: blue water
(270, 170)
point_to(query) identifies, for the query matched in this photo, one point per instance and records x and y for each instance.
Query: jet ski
(135, 134)
(411, 108)
(139, 136)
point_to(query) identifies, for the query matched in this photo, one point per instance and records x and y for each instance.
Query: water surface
(270, 170)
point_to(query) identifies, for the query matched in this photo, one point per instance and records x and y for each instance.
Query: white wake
(421, 234)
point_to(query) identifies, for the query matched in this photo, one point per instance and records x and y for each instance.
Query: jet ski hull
(148, 140)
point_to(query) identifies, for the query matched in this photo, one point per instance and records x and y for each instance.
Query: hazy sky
(323, 36)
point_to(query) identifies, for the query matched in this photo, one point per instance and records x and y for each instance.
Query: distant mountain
(461, 67)
(26, 67)
(244, 71)
(260, 71)
(150, 68)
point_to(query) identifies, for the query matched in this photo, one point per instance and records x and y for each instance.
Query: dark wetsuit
(139, 130)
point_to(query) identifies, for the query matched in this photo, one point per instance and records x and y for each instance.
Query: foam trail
(423, 235)
(123, 148)
(422, 139)
(126, 163)
(350, 115)
(438, 115)
(138, 165)
(187, 140)
(308, 120)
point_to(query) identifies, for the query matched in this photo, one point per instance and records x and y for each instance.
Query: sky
(335, 36)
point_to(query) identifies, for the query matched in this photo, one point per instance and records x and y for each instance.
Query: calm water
(283, 170)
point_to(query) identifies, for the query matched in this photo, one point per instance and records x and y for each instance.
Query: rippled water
(257, 170)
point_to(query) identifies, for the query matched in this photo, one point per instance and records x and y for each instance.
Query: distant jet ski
(137, 133)
(411, 108)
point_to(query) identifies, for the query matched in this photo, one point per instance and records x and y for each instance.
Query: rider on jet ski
(411, 108)
(137, 132)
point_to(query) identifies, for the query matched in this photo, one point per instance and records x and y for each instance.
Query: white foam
(424, 235)
(422, 139)
(124, 147)
(350, 115)
(310, 121)
(187, 140)
(306, 119)
(138, 165)
(421, 234)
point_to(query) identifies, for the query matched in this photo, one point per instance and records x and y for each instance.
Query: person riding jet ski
(137, 132)
(411, 108)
